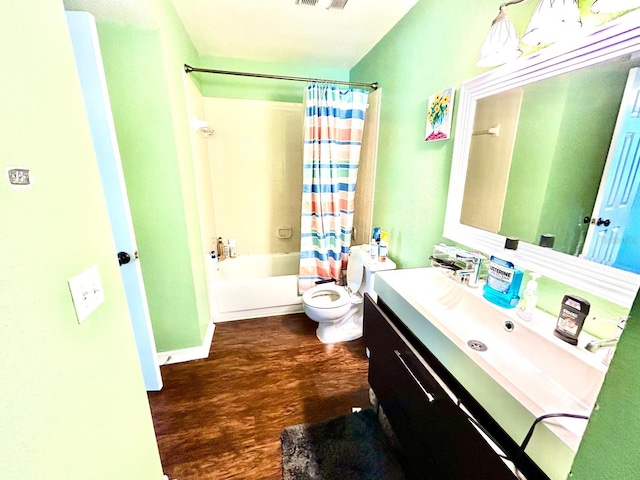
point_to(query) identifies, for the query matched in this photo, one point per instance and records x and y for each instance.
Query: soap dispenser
(529, 299)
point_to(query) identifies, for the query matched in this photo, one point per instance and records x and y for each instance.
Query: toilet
(339, 309)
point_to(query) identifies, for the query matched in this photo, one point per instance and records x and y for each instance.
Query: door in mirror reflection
(613, 236)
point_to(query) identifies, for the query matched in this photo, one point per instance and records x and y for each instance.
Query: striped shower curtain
(333, 125)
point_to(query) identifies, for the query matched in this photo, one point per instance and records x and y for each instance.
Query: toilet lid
(355, 269)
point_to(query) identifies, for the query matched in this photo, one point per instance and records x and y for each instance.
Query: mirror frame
(611, 40)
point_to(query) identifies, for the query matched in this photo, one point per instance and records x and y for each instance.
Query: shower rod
(189, 69)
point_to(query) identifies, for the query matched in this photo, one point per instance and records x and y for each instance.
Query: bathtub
(251, 286)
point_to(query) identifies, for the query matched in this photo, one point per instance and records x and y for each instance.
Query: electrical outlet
(86, 292)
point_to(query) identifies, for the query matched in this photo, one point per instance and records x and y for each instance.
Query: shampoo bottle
(374, 245)
(220, 249)
(529, 299)
(505, 277)
(232, 248)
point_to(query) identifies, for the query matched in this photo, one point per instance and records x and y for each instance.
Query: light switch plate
(86, 292)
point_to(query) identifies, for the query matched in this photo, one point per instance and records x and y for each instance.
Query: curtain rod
(189, 69)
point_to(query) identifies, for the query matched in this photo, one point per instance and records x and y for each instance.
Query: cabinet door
(435, 433)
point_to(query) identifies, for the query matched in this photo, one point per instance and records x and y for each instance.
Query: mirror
(527, 139)
(532, 150)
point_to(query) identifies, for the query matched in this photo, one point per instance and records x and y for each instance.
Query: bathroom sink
(543, 373)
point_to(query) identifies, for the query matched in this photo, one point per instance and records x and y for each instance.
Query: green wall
(144, 76)
(532, 159)
(429, 50)
(575, 115)
(586, 130)
(611, 443)
(72, 402)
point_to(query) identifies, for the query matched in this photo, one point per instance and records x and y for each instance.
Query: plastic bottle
(529, 299)
(220, 249)
(505, 277)
(384, 245)
(373, 250)
(232, 248)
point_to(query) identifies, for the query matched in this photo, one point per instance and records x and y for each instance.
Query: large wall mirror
(547, 149)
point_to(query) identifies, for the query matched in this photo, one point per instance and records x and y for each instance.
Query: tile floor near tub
(221, 418)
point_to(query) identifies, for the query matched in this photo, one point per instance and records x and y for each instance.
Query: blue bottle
(504, 278)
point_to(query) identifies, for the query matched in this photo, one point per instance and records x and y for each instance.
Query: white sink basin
(543, 373)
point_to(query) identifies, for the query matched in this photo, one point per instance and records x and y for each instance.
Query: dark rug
(351, 447)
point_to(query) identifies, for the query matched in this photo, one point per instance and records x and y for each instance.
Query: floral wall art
(439, 112)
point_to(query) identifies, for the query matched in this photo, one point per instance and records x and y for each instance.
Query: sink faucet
(472, 274)
(595, 345)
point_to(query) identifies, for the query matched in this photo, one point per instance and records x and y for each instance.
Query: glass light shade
(551, 21)
(613, 6)
(501, 45)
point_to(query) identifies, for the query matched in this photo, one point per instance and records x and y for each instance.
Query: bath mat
(351, 447)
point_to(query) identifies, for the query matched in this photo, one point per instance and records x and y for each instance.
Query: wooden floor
(221, 418)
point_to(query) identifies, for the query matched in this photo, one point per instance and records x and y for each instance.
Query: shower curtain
(333, 125)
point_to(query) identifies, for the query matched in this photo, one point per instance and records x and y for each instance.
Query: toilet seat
(326, 296)
(330, 295)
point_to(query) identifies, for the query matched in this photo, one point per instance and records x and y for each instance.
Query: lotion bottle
(527, 305)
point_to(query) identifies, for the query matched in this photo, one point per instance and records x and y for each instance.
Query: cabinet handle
(429, 396)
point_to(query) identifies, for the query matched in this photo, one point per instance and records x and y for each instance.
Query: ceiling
(271, 30)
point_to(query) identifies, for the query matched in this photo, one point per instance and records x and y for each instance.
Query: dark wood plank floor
(221, 418)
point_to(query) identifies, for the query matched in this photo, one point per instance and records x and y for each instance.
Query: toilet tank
(370, 269)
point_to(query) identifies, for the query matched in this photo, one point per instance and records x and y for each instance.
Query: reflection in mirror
(535, 142)
(536, 161)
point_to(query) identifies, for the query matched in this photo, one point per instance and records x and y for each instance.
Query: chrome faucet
(595, 345)
(471, 274)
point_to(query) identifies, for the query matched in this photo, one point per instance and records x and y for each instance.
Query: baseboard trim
(191, 353)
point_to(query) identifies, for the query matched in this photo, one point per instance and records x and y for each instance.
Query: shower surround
(253, 193)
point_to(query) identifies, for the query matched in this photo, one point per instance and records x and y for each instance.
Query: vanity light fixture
(502, 44)
(552, 20)
(612, 6)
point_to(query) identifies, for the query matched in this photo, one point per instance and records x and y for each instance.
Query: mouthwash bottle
(505, 277)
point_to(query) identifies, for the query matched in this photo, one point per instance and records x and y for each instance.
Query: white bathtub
(251, 286)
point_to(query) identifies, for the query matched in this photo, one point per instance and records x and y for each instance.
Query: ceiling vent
(328, 4)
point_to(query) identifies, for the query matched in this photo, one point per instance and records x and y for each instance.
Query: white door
(94, 89)
(621, 178)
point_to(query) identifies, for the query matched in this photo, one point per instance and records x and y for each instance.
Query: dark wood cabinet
(437, 436)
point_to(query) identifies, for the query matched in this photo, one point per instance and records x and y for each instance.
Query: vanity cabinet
(436, 434)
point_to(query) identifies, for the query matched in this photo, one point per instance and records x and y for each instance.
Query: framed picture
(439, 113)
